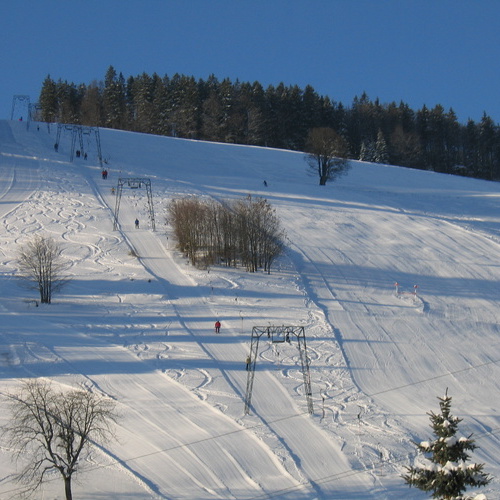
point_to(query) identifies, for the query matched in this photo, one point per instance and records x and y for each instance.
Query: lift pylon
(77, 133)
(134, 183)
(21, 99)
(278, 334)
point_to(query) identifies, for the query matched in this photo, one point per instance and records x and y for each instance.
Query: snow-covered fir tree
(381, 153)
(446, 472)
(367, 152)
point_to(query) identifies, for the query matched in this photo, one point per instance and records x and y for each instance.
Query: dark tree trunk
(67, 488)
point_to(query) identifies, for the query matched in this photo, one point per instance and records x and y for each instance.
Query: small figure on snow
(137, 223)
(217, 326)
(265, 183)
(247, 362)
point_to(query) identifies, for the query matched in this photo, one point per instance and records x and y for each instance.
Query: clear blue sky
(418, 51)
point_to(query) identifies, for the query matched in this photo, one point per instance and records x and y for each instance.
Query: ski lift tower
(77, 133)
(21, 100)
(134, 183)
(279, 334)
(88, 131)
(34, 110)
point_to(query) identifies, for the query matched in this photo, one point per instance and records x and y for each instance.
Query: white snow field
(135, 322)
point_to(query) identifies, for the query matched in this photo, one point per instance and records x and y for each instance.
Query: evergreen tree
(69, 100)
(143, 95)
(48, 100)
(381, 153)
(114, 99)
(405, 148)
(272, 133)
(423, 131)
(470, 148)
(486, 149)
(91, 106)
(251, 102)
(446, 473)
(213, 117)
(367, 152)
(187, 116)
(311, 113)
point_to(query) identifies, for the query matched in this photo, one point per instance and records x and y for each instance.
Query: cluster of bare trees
(246, 232)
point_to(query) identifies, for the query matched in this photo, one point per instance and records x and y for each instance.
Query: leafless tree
(245, 230)
(327, 154)
(41, 264)
(52, 431)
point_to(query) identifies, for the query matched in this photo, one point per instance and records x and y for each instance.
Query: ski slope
(136, 321)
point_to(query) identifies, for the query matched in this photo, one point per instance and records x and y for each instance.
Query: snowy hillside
(136, 322)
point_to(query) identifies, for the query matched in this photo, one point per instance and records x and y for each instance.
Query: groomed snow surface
(135, 323)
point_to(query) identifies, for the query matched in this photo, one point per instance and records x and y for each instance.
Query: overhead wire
(332, 477)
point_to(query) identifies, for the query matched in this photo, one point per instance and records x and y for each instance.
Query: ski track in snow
(149, 320)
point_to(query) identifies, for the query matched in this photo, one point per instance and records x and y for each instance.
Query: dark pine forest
(277, 116)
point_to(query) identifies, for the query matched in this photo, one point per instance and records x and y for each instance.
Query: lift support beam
(77, 133)
(134, 183)
(278, 334)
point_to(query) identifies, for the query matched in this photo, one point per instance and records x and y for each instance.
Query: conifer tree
(48, 100)
(367, 152)
(114, 99)
(446, 472)
(381, 153)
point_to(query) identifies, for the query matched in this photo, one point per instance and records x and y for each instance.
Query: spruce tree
(367, 152)
(446, 472)
(381, 154)
(48, 100)
(114, 100)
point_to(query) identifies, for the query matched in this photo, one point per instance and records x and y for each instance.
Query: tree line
(277, 116)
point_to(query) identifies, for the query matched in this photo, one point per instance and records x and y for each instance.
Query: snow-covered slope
(136, 322)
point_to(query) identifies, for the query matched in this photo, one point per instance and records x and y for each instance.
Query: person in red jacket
(217, 326)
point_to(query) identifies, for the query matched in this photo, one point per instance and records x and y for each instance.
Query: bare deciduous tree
(246, 230)
(52, 431)
(327, 153)
(41, 264)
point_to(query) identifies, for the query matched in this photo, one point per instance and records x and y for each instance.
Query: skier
(217, 326)
(248, 361)
(137, 223)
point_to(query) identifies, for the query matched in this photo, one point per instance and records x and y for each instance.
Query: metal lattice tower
(77, 133)
(279, 334)
(21, 99)
(33, 113)
(97, 135)
(134, 183)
